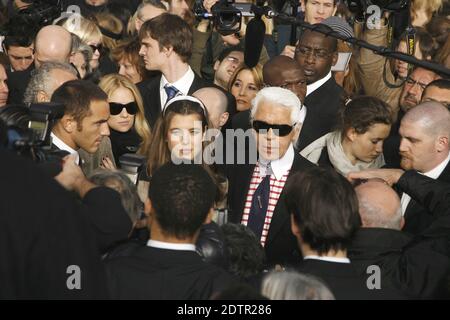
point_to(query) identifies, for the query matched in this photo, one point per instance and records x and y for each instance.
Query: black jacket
(152, 273)
(281, 245)
(152, 98)
(322, 112)
(416, 265)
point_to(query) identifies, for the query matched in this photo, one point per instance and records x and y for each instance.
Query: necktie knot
(171, 91)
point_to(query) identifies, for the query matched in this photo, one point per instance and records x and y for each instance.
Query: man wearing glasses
(316, 54)
(409, 98)
(255, 190)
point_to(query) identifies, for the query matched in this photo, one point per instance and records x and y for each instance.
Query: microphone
(254, 40)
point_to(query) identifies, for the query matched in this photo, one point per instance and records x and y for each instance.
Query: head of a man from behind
(165, 39)
(46, 79)
(438, 91)
(316, 53)
(216, 104)
(324, 211)
(282, 71)
(53, 43)
(379, 205)
(425, 134)
(180, 199)
(84, 122)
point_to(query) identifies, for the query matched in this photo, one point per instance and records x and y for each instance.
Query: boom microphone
(254, 40)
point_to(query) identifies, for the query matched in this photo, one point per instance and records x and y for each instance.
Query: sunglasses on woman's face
(280, 130)
(116, 108)
(98, 47)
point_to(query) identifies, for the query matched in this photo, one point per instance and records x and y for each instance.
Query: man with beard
(409, 98)
(424, 147)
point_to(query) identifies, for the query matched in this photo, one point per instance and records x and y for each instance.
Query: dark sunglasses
(116, 108)
(280, 130)
(99, 48)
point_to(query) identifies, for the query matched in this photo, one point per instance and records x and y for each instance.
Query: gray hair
(283, 97)
(41, 79)
(374, 217)
(120, 182)
(291, 285)
(80, 47)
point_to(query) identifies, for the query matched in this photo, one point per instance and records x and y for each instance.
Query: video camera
(225, 14)
(34, 142)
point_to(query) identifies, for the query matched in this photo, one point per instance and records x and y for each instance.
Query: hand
(71, 173)
(288, 51)
(107, 164)
(208, 4)
(391, 176)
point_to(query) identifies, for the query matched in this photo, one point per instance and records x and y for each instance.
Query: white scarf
(333, 142)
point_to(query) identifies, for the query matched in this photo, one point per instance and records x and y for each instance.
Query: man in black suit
(418, 266)
(46, 237)
(316, 54)
(255, 195)
(324, 217)
(168, 267)
(84, 122)
(166, 45)
(424, 147)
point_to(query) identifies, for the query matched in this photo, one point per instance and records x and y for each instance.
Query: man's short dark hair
(439, 83)
(169, 30)
(77, 96)
(325, 208)
(181, 197)
(225, 52)
(245, 254)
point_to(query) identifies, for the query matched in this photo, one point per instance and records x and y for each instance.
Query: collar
(316, 85)
(63, 146)
(281, 166)
(327, 259)
(171, 246)
(436, 172)
(183, 84)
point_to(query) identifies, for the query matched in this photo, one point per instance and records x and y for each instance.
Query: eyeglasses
(116, 108)
(410, 81)
(317, 53)
(97, 47)
(233, 59)
(280, 130)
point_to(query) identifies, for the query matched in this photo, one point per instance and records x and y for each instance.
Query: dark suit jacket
(152, 98)
(416, 265)
(344, 282)
(281, 246)
(17, 84)
(152, 273)
(43, 231)
(418, 218)
(322, 115)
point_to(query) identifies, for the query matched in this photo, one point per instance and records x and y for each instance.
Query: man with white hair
(255, 189)
(418, 265)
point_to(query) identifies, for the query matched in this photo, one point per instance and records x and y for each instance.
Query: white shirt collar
(63, 146)
(328, 259)
(282, 166)
(183, 85)
(436, 172)
(310, 88)
(171, 246)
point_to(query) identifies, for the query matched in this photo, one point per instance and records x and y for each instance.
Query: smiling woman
(358, 144)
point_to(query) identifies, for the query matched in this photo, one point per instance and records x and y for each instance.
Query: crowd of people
(320, 172)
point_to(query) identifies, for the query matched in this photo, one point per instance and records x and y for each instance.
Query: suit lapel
(280, 214)
(244, 177)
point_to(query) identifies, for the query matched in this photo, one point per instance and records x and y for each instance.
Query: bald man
(216, 104)
(52, 44)
(425, 148)
(415, 266)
